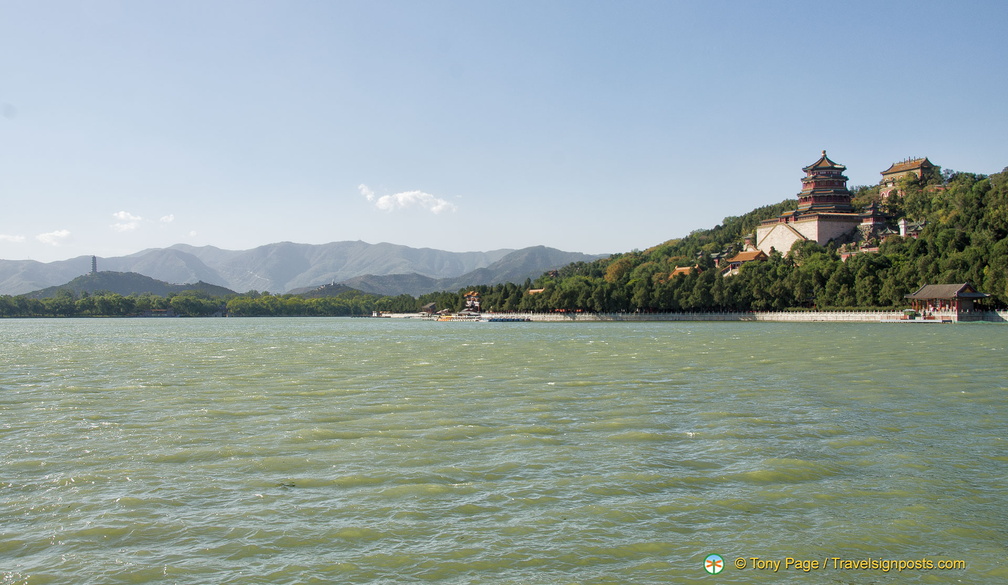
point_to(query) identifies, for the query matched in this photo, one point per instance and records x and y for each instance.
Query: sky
(594, 127)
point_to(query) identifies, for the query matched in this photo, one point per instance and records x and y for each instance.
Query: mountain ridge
(286, 266)
(512, 268)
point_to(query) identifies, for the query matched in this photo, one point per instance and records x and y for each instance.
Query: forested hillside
(965, 240)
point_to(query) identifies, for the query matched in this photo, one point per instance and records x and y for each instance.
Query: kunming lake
(387, 451)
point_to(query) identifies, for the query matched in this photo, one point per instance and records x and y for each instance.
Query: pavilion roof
(908, 165)
(824, 163)
(748, 256)
(872, 209)
(963, 290)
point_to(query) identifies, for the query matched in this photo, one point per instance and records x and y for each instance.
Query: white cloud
(11, 239)
(127, 221)
(53, 238)
(168, 218)
(126, 216)
(407, 199)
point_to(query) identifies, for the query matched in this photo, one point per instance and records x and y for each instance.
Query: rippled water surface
(389, 451)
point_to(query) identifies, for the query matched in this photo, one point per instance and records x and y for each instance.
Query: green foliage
(863, 195)
(351, 303)
(200, 304)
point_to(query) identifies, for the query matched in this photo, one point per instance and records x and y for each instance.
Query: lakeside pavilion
(959, 300)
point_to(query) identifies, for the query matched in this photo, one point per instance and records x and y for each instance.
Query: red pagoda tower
(824, 188)
(824, 211)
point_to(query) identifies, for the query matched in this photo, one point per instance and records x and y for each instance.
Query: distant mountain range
(286, 267)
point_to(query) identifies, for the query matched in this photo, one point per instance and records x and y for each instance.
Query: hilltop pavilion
(917, 167)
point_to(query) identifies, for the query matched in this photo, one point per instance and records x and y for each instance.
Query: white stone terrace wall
(773, 316)
(779, 316)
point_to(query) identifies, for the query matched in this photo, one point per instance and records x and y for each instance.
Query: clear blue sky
(586, 126)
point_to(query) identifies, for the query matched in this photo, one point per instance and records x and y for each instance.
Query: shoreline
(764, 316)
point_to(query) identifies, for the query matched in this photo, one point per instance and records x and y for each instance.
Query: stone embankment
(777, 316)
(782, 316)
(771, 316)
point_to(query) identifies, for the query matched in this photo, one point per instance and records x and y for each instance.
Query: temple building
(873, 224)
(916, 167)
(824, 211)
(472, 302)
(731, 266)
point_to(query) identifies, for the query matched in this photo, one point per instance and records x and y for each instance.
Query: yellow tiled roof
(748, 256)
(908, 165)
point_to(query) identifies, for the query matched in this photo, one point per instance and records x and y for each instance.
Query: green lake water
(399, 451)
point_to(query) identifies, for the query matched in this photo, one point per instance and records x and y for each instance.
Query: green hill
(965, 239)
(125, 284)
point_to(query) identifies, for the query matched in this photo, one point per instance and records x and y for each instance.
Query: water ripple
(382, 451)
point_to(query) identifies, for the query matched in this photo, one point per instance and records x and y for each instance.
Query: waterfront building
(957, 301)
(824, 211)
(916, 167)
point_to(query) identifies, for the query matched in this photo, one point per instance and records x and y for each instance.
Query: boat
(461, 317)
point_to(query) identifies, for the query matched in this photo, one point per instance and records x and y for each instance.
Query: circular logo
(713, 564)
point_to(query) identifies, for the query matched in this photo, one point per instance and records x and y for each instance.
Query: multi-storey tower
(824, 188)
(824, 211)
